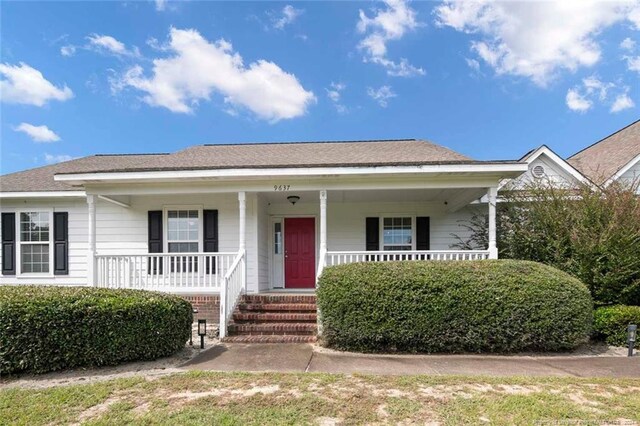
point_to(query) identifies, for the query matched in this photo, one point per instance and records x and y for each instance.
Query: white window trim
(391, 216)
(19, 243)
(165, 224)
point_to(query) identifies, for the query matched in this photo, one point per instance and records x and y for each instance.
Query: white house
(222, 219)
(213, 222)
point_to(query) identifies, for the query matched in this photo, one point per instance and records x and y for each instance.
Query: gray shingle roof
(602, 160)
(41, 178)
(256, 155)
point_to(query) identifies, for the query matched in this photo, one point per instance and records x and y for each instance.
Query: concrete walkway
(308, 358)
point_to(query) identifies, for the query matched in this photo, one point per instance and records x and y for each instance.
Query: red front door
(299, 252)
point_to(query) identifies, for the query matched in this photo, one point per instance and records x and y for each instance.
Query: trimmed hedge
(51, 328)
(610, 323)
(470, 306)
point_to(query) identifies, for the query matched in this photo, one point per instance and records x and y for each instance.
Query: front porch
(266, 241)
(257, 241)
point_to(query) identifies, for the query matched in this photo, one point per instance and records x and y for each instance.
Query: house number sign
(281, 188)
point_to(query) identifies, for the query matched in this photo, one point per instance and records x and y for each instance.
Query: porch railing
(170, 272)
(232, 287)
(341, 257)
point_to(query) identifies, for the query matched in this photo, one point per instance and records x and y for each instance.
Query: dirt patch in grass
(270, 398)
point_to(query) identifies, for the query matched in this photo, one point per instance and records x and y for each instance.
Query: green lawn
(269, 398)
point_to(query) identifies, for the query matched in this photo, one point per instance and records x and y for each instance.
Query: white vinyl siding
(77, 210)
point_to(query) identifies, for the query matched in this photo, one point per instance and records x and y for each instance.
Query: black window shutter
(8, 243)
(61, 243)
(155, 240)
(422, 233)
(373, 234)
(210, 237)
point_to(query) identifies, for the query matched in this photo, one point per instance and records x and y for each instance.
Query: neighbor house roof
(241, 156)
(604, 159)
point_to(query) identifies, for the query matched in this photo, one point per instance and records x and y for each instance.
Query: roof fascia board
(43, 194)
(155, 188)
(623, 170)
(293, 172)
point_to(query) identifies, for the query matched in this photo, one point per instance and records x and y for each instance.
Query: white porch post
(91, 255)
(242, 208)
(323, 222)
(492, 196)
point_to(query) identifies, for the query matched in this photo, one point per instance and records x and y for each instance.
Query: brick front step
(284, 298)
(273, 329)
(297, 307)
(262, 317)
(270, 339)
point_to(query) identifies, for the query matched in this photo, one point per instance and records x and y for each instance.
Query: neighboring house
(614, 158)
(226, 218)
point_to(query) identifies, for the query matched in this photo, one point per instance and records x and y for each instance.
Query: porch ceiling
(454, 197)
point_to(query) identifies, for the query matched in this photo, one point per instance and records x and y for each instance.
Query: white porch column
(492, 196)
(323, 222)
(91, 255)
(242, 206)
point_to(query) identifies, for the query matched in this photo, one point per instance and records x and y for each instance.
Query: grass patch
(196, 398)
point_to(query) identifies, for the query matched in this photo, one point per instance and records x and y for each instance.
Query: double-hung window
(183, 236)
(35, 242)
(397, 234)
(183, 231)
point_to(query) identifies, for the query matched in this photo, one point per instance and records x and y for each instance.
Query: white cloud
(109, 45)
(634, 17)
(161, 5)
(38, 133)
(52, 159)
(387, 25)
(633, 63)
(628, 44)
(22, 84)
(577, 102)
(594, 85)
(286, 17)
(381, 95)
(473, 64)
(334, 93)
(198, 68)
(622, 102)
(535, 39)
(68, 50)
(583, 97)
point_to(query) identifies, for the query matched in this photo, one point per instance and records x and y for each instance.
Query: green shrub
(468, 306)
(51, 328)
(593, 235)
(610, 323)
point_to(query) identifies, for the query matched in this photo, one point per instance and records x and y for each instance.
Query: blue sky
(490, 80)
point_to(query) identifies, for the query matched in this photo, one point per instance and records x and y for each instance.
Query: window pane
(183, 225)
(277, 229)
(34, 226)
(35, 257)
(397, 233)
(183, 247)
